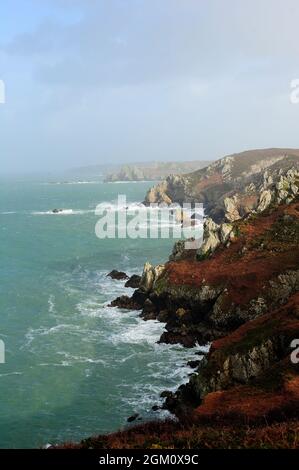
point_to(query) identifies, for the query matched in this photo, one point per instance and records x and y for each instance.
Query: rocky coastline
(238, 292)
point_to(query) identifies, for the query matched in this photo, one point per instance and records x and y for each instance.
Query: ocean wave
(73, 359)
(59, 183)
(11, 373)
(51, 304)
(115, 207)
(141, 332)
(64, 212)
(128, 182)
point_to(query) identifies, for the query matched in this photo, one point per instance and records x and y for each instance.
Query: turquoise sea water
(74, 367)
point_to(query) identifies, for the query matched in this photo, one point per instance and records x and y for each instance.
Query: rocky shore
(240, 293)
(152, 171)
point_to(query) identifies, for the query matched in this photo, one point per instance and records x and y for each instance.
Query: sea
(75, 367)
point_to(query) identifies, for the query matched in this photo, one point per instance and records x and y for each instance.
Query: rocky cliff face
(239, 291)
(153, 171)
(241, 294)
(236, 185)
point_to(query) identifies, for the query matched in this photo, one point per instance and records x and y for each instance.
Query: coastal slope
(153, 171)
(232, 187)
(239, 292)
(243, 299)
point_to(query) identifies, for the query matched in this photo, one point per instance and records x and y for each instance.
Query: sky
(114, 81)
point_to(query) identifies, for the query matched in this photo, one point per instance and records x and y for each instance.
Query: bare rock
(133, 281)
(118, 275)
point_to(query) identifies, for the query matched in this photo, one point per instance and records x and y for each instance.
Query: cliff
(233, 186)
(153, 171)
(240, 293)
(243, 298)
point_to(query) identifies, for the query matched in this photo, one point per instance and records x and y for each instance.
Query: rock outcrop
(215, 235)
(240, 293)
(150, 276)
(235, 186)
(133, 281)
(153, 171)
(118, 275)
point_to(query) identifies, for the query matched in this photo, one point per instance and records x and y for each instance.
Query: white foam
(64, 212)
(73, 359)
(141, 332)
(51, 303)
(11, 373)
(55, 183)
(128, 182)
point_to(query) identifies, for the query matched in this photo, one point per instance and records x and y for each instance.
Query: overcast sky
(107, 81)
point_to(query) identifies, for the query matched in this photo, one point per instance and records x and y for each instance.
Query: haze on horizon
(91, 82)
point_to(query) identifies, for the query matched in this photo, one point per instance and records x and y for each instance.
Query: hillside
(239, 292)
(153, 171)
(244, 299)
(231, 187)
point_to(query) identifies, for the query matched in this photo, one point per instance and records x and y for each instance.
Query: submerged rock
(133, 417)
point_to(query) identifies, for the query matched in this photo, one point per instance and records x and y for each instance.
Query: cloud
(182, 78)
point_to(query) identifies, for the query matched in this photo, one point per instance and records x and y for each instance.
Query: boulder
(125, 302)
(133, 281)
(133, 417)
(118, 275)
(150, 275)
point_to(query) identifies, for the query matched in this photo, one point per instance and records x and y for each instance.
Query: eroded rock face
(214, 235)
(231, 209)
(265, 200)
(150, 275)
(133, 282)
(118, 275)
(125, 302)
(234, 186)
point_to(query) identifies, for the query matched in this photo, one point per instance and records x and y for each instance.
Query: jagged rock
(166, 394)
(156, 408)
(214, 235)
(118, 275)
(211, 238)
(148, 307)
(150, 275)
(178, 250)
(265, 200)
(181, 249)
(226, 232)
(193, 364)
(163, 316)
(133, 281)
(231, 209)
(125, 302)
(133, 417)
(230, 188)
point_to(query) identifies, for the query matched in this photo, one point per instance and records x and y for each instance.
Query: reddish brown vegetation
(243, 268)
(213, 180)
(171, 435)
(261, 412)
(284, 320)
(249, 404)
